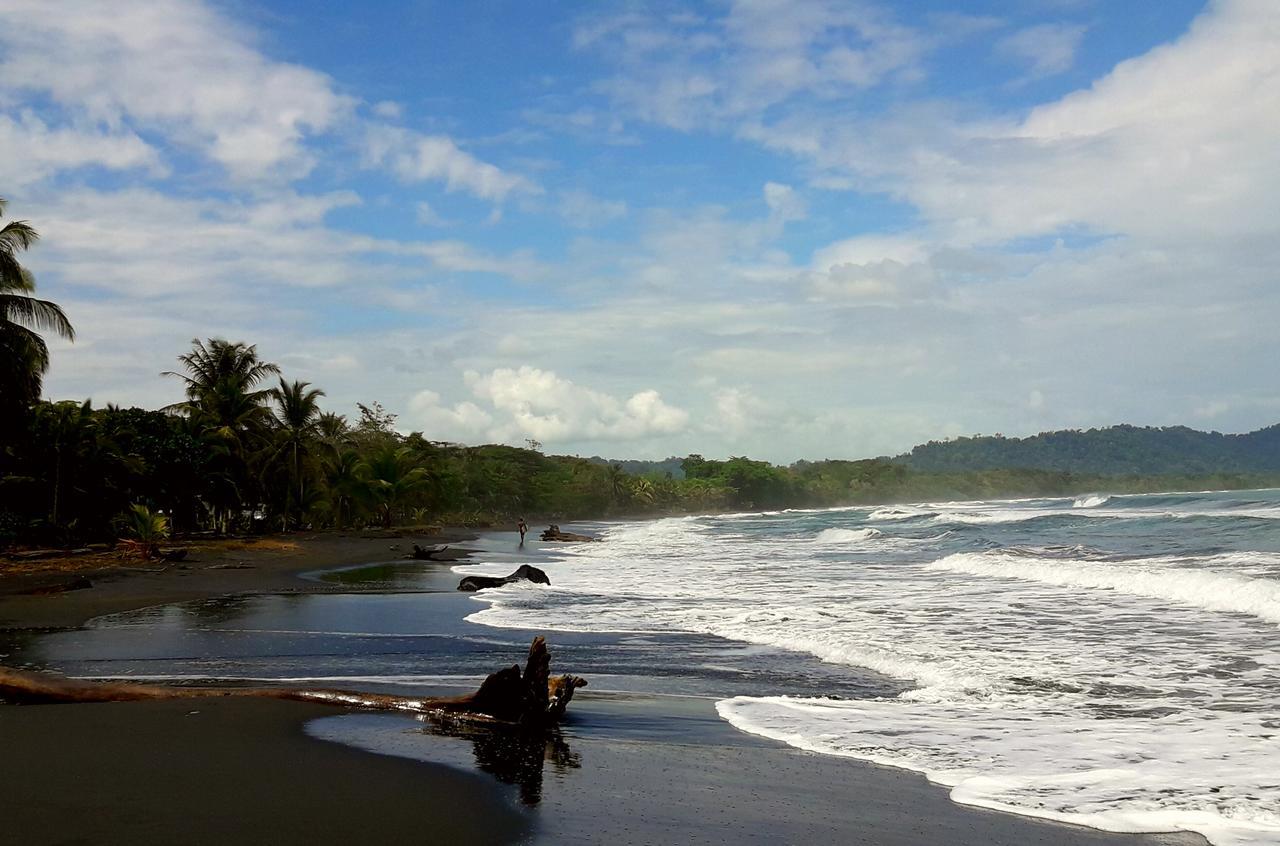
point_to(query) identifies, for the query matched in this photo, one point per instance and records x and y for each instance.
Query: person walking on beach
(523, 527)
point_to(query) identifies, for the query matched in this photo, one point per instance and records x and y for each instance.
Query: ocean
(1109, 661)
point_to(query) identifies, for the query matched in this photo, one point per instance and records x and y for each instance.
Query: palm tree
(228, 408)
(218, 369)
(24, 355)
(297, 418)
(346, 478)
(619, 487)
(393, 475)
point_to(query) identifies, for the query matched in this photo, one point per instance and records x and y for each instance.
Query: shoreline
(50, 597)
(678, 765)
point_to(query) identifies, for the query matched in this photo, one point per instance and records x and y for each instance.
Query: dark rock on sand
(554, 534)
(426, 554)
(524, 574)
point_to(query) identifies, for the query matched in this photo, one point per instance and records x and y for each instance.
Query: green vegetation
(1113, 451)
(237, 456)
(24, 355)
(241, 454)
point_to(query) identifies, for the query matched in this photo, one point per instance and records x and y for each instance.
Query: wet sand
(34, 596)
(224, 771)
(644, 769)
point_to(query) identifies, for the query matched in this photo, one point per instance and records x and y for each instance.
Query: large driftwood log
(420, 554)
(553, 533)
(532, 698)
(525, 573)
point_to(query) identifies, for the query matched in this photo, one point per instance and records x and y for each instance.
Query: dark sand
(223, 771)
(628, 768)
(32, 599)
(642, 769)
(235, 771)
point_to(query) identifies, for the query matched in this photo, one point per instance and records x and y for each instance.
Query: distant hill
(644, 468)
(1113, 451)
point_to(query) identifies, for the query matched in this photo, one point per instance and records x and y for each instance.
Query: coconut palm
(217, 369)
(230, 412)
(297, 419)
(393, 474)
(346, 479)
(24, 355)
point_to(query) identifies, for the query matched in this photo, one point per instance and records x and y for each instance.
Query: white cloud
(140, 243)
(535, 403)
(31, 151)
(464, 421)
(686, 71)
(784, 202)
(415, 157)
(738, 410)
(172, 66)
(180, 70)
(1171, 145)
(1046, 49)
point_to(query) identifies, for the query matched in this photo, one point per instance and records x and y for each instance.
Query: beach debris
(422, 554)
(525, 573)
(532, 698)
(553, 533)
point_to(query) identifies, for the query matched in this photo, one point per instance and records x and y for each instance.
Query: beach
(629, 766)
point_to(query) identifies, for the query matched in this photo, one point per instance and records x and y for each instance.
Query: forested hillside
(1113, 451)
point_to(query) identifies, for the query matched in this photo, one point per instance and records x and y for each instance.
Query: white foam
(997, 755)
(1092, 501)
(1156, 578)
(846, 536)
(1129, 694)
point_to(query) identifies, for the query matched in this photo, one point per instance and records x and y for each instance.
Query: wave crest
(1154, 578)
(843, 536)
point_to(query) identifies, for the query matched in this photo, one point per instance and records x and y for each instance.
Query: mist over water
(1104, 660)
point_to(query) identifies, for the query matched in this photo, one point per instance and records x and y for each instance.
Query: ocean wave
(1154, 578)
(1091, 501)
(845, 536)
(897, 512)
(967, 747)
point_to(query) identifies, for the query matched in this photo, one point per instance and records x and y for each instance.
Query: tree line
(248, 450)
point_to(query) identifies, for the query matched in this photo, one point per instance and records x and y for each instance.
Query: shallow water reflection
(511, 755)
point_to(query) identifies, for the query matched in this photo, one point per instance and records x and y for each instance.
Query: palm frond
(36, 314)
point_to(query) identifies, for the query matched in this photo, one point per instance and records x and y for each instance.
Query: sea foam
(1058, 668)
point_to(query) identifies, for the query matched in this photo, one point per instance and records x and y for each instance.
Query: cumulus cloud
(175, 67)
(528, 402)
(463, 421)
(1170, 145)
(180, 70)
(542, 405)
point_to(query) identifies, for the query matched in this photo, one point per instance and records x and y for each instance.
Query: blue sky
(787, 229)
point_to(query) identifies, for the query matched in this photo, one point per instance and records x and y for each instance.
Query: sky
(781, 228)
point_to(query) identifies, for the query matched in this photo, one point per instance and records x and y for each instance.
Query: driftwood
(421, 554)
(532, 699)
(554, 534)
(524, 574)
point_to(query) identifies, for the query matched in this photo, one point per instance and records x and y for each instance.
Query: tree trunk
(532, 699)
